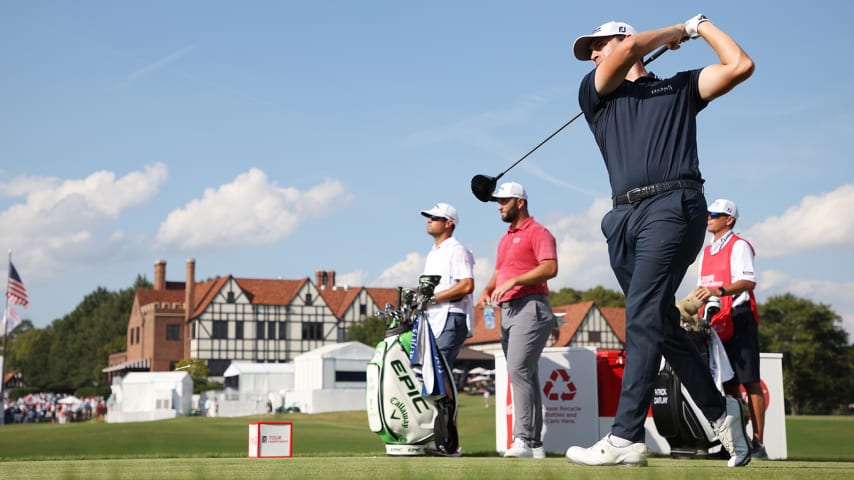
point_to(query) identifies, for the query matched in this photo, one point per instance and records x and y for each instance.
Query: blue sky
(273, 139)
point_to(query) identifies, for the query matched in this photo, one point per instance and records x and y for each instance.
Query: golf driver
(482, 186)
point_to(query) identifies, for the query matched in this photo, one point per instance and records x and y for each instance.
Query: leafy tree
(602, 296)
(817, 359)
(26, 354)
(69, 354)
(565, 296)
(11, 353)
(369, 331)
(198, 370)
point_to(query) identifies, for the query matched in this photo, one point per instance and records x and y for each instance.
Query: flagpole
(5, 335)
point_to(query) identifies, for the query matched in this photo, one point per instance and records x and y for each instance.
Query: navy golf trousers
(651, 244)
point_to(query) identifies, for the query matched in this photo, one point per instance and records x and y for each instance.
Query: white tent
(70, 400)
(331, 378)
(249, 386)
(145, 396)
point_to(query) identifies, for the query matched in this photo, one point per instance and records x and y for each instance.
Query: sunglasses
(437, 219)
(716, 215)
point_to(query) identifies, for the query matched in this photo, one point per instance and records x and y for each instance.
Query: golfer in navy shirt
(646, 130)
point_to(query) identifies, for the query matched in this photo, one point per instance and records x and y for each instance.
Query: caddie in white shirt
(451, 313)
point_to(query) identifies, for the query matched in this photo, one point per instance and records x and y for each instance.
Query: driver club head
(482, 187)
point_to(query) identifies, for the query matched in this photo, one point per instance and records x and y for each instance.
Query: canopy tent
(332, 378)
(145, 396)
(249, 386)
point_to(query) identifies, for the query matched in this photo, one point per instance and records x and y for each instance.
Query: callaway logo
(400, 407)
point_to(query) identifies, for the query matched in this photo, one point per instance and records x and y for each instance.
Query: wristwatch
(723, 291)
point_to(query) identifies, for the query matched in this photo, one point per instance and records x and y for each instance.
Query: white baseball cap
(581, 47)
(510, 190)
(725, 206)
(443, 210)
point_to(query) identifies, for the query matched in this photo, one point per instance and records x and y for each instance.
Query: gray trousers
(526, 324)
(651, 244)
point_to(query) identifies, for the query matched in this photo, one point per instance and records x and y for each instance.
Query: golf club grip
(652, 57)
(655, 55)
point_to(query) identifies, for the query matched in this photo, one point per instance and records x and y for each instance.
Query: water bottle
(488, 315)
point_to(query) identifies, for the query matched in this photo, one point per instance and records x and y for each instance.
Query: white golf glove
(692, 24)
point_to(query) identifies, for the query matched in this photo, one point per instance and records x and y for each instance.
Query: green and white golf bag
(411, 395)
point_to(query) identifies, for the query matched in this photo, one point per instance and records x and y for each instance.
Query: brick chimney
(160, 275)
(190, 288)
(324, 279)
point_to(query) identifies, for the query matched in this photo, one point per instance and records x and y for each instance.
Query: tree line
(67, 356)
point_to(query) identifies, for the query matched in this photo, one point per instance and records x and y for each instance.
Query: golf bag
(677, 418)
(411, 395)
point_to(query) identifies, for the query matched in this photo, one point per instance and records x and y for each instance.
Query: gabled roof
(340, 299)
(616, 318)
(204, 294)
(270, 292)
(258, 291)
(382, 296)
(575, 315)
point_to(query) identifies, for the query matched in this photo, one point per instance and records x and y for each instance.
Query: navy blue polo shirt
(646, 129)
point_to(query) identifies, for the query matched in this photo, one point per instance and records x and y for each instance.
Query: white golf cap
(581, 47)
(510, 190)
(443, 210)
(724, 206)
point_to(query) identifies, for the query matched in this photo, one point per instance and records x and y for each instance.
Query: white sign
(570, 402)
(270, 440)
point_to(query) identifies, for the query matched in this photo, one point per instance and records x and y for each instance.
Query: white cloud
(582, 250)
(819, 221)
(60, 221)
(251, 210)
(403, 273)
(483, 269)
(351, 278)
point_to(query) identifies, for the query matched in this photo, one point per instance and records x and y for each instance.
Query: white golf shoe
(521, 449)
(604, 453)
(730, 431)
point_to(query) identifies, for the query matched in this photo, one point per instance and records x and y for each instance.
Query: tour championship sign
(270, 439)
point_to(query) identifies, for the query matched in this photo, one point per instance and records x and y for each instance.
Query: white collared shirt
(453, 262)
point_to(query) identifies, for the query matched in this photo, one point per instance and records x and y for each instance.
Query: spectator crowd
(53, 408)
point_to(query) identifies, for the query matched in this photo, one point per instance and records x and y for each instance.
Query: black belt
(637, 194)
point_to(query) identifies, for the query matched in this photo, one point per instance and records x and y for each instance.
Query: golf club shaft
(652, 57)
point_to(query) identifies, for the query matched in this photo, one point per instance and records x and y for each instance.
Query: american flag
(15, 291)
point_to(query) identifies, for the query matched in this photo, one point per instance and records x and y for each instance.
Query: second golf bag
(411, 395)
(677, 418)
